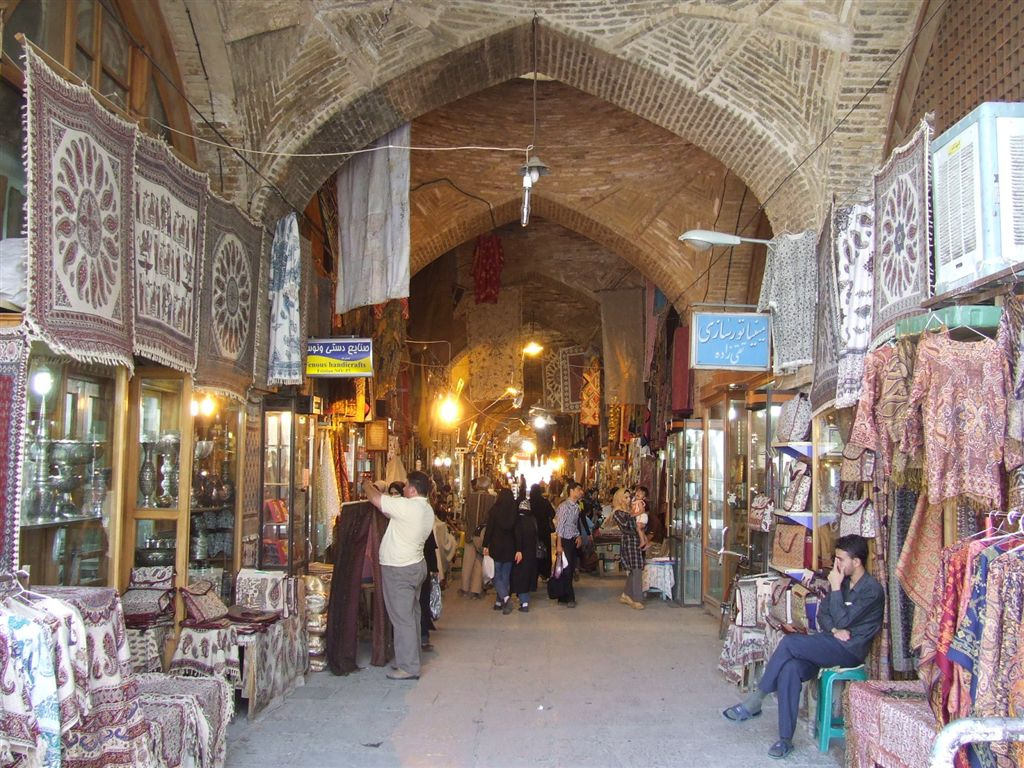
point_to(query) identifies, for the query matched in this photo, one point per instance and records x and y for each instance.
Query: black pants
(571, 555)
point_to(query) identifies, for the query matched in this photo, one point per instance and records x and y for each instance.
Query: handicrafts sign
(339, 358)
(734, 341)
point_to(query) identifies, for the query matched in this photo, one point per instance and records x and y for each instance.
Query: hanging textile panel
(572, 361)
(488, 259)
(682, 376)
(902, 242)
(790, 290)
(854, 237)
(826, 325)
(230, 299)
(14, 349)
(650, 327)
(622, 331)
(170, 214)
(590, 404)
(495, 356)
(80, 165)
(285, 357)
(261, 347)
(553, 382)
(373, 224)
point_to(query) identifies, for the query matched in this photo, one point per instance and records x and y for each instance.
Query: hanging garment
(789, 289)
(373, 223)
(285, 353)
(622, 330)
(901, 607)
(328, 495)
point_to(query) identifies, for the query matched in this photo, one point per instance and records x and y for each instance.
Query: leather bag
(794, 420)
(858, 516)
(788, 546)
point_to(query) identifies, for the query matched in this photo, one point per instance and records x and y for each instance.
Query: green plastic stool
(828, 727)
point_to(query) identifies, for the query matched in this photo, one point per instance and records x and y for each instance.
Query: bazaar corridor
(598, 685)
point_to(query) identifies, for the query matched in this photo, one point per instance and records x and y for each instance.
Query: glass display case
(685, 467)
(69, 503)
(825, 495)
(287, 500)
(214, 537)
(759, 421)
(715, 503)
(789, 457)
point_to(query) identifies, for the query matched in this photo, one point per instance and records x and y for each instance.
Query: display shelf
(61, 523)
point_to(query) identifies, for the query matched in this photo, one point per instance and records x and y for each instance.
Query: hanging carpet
(488, 259)
(854, 238)
(170, 213)
(80, 166)
(622, 331)
(590, 405)
(14, 348)
(285, 360)
(553, 382)
(826, 325)
(573, 360)
(494, 338)
(902, 242)
(789, 289)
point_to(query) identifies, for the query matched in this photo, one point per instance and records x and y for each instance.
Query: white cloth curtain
(373, 224)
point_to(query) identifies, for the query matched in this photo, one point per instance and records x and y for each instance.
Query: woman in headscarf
(630, 552)
(544, 514)
(524, 572)
(500, 543)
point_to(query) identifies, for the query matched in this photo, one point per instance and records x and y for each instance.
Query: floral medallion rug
(229, 300)
(80, 165)
(902, 242)
(14, 348)
(170, 213)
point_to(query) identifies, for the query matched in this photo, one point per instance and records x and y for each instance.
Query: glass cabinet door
(287, 490)
(757, 474)
(716, 501)
(693, 477)
(735, 533)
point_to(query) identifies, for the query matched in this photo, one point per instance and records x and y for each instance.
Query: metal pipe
(971, 729)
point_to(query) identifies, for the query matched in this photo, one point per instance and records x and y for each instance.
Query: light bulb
(447, 461)
(207, 406)
(42, 382)
(534, 175)
(449, 410)
(539, 422)
(524, 219)
(437, 461)
(528, 446)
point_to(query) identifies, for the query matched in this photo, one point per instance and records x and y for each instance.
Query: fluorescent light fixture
(702, 239)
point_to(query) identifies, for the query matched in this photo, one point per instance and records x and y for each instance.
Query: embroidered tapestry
(170, 213)
(622, 331)
(80, 166)
(261, 354)
(553, 381)
(494, 336)
(854, 237)
(573, 362)
(228, 304)
(826, 325)
(590, 405)
(790, 290)
(488, 259)
(902, 242)
(285, 362)
(14, 348)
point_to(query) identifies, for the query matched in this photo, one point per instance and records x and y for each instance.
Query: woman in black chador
(524, 572)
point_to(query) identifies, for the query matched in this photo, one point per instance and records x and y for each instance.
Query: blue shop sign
(732, 341)
(339, 358)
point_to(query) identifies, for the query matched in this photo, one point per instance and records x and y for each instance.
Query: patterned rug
(170, 214)
(790, 290)
(285, 296)
(80, 166)
(553, 382)
(227, 317)
(854, 237)
(590, 405)
(622, 331)
(902, 242)
(14, 349)
(573, 361)
(826, 325)
(493, 333)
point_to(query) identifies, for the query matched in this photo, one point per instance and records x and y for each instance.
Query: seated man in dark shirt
(849, 619)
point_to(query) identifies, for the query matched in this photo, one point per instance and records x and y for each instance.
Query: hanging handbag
(857, 516)
(759, 515)
(746, 603)
(799, 595)
(858, 465)
(799, 489)
(781, 607)
(788, 546)
(794, 420)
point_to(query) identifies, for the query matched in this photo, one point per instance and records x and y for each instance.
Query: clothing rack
(975, 317)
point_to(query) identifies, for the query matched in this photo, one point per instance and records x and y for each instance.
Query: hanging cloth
(328, 495)
(373, 224)
(285, 283)
(789, 289)
(622, 330)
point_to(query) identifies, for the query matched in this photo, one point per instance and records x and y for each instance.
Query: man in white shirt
(403, 567)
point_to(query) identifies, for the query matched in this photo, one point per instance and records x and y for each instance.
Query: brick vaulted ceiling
(662, 114)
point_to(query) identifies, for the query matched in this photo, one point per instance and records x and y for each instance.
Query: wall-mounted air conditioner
(978, 195)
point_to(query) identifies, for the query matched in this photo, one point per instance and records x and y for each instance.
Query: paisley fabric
(888, 723)
(32, 654)
(261, 590)
(789, 289)
(14, 349)
(209, 653)
(230, 299)
(854, 241)
(1010, 339)
(901, 607)
(81, 169)
(170, 214)
(188, 718)
(275, 662)
(957, 412)
(902, 242)
(285, 344)
(826, 325)
(590, 402)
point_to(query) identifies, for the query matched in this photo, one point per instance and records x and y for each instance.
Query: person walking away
(524, 571)
(567, 520)
(544, 515)
(631, 552)
(500, 544)
(403, 567)
(849, 619)
(478, 506)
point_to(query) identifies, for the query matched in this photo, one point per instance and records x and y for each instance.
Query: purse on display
(794, 420)
(746, 603)
(759, 515)
(781, 607)
(858, 465)
(202, 603)
(788, 546)
(857, 516)
(798, 492)
(799, 595)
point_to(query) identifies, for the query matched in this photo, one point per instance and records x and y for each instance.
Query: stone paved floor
(598, 685)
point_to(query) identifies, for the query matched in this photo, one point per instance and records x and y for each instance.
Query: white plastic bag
(488, 567)
(561, 563)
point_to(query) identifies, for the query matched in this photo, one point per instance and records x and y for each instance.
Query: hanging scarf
(285, 284)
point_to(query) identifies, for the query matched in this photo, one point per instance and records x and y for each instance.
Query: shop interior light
(532, 349)
(42, 382)
(448, 411)
(527, 446)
